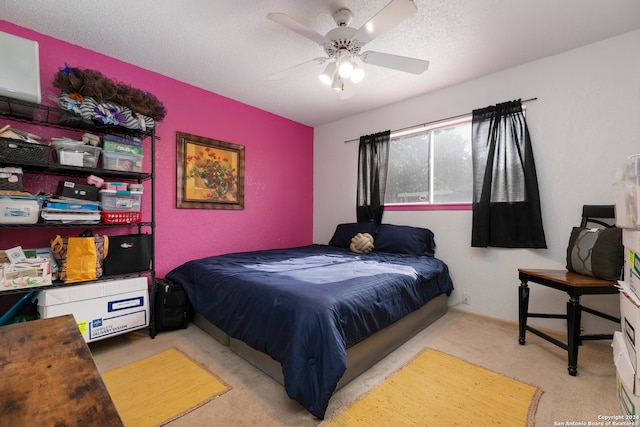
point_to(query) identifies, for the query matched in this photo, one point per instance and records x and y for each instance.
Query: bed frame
(360, 356)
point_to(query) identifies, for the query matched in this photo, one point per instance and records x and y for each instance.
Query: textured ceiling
(229, 46)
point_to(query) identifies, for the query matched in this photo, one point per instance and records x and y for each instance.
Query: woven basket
(14, 149)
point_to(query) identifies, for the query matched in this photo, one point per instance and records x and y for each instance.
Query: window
(431, 165)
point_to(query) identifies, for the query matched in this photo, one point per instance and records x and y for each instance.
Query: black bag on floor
(170, 309)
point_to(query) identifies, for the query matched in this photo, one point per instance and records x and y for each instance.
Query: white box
(631, 270)
(631, 243)
(101, 309)
(19, 68)
(630, 322)
(627, 382)
(631, 239)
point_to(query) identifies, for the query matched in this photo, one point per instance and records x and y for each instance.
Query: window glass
(431, 165)
(408, 174)
(452, 168)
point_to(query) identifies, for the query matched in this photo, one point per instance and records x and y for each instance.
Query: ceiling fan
(343, 45)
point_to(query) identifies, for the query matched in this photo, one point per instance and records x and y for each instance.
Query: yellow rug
(436, 389)
(161, 388)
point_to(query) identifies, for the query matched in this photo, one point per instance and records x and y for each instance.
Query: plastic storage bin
(122, 162)
(627, 194)
(110, 185)
(78, 155)
(20, 209)
(113, 200)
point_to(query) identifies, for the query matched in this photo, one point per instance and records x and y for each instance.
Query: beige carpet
(436, 389)
(258, 400)
(161, 388)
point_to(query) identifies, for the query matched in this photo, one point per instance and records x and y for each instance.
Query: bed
(316, 316)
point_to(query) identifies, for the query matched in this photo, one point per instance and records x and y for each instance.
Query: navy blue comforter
(305, 306)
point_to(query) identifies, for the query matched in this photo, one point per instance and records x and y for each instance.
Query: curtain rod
(435, 121)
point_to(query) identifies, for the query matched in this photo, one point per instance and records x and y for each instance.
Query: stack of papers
(70, 211)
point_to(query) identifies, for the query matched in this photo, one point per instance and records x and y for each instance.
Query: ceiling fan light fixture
(326, 76)
(343, 45)
(346, 67)
(358, 74)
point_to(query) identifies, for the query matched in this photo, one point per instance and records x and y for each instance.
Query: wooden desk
(575, 285)
(48, 377)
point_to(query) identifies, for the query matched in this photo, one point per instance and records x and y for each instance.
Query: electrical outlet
(466, 298)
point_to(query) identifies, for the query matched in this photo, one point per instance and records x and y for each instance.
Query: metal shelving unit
(42, 115)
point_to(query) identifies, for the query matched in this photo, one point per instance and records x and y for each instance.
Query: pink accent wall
(278, 164)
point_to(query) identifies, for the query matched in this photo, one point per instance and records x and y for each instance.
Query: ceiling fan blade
(400, 63)
(290, 23)
(392, 14)
(297, 68)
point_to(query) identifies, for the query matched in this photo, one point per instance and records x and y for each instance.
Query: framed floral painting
(210, 173)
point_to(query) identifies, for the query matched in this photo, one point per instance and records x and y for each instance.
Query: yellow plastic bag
(79, 258)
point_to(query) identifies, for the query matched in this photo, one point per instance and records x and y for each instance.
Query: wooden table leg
(523, 310)
(573, 332)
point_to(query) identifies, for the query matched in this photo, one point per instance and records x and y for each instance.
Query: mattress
(305, 306)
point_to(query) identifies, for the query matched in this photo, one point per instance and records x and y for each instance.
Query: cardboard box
(630, 322)
(101, 309)
(136, 142)
(119, 147)
(627, 383)
(46, 254)
(631, 243)
(632, 270)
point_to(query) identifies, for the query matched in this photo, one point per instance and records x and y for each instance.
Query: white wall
(584, 124)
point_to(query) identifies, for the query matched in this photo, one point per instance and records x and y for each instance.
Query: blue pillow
(344, 232)
(404, 239)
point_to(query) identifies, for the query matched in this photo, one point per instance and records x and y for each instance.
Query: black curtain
(373, 159)
(506, 201)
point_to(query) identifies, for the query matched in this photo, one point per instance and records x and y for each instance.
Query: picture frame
(210, 173)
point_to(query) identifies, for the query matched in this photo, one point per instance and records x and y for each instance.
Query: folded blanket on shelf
(105, 113)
